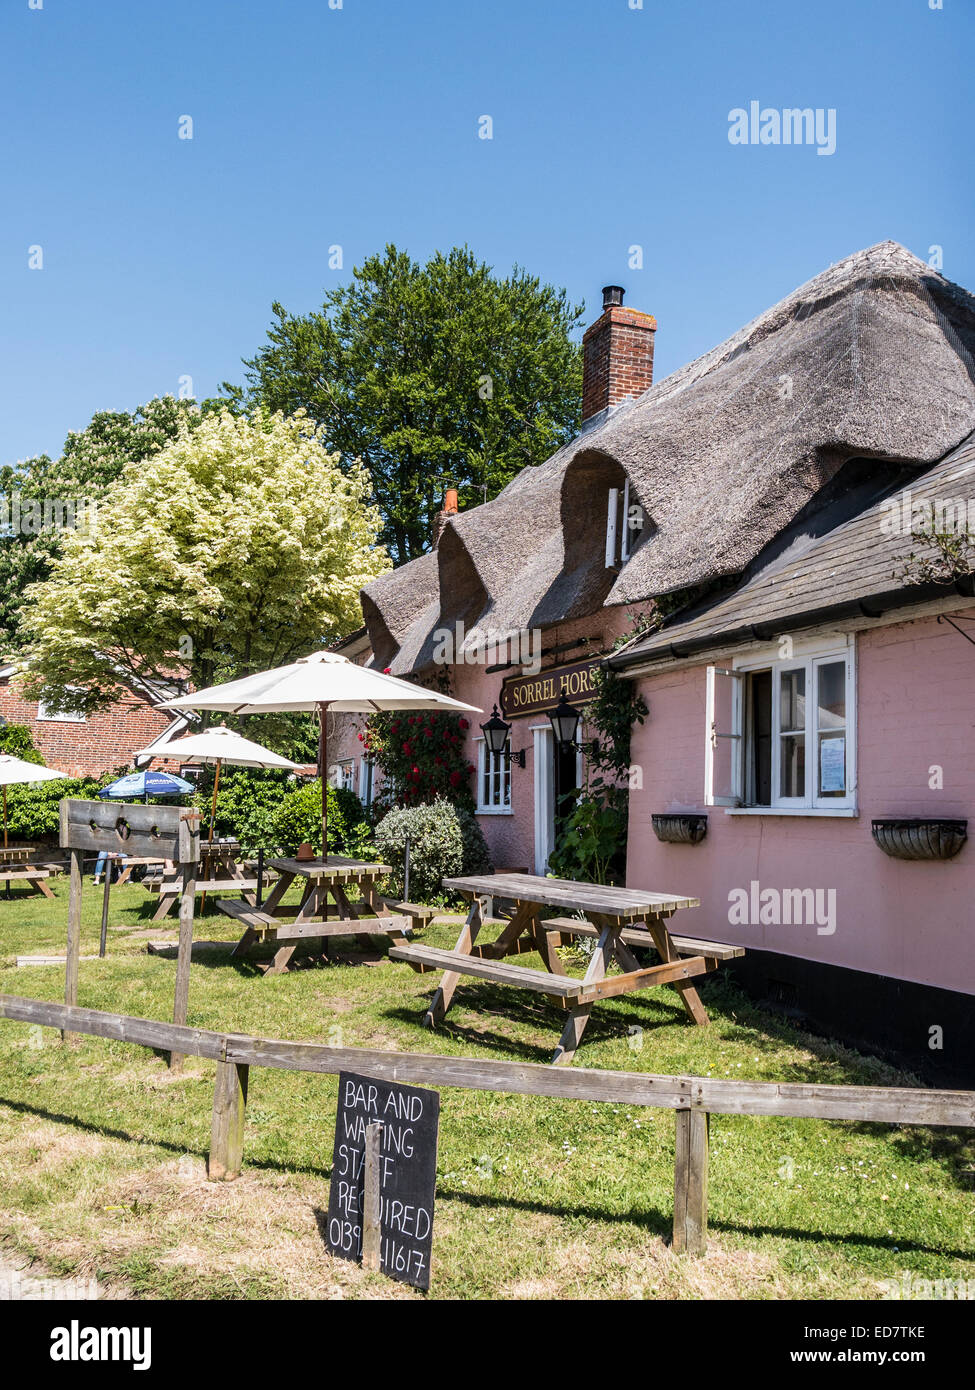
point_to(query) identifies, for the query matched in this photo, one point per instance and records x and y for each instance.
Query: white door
(544, 795)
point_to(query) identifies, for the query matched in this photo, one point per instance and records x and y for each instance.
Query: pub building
(807, 766)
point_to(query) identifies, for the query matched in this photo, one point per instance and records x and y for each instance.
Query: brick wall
(101, 744)
(617, 355)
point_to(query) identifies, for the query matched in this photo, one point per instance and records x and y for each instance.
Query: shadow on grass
(652, 1219)
(528, 1012)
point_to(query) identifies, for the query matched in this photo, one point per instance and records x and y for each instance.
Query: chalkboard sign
(410, 1121)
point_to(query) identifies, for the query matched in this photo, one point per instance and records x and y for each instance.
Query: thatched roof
(860, 569)
(392, 604)
(871, 359)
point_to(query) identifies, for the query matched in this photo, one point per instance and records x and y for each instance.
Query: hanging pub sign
(404, 1122)
(540, 693)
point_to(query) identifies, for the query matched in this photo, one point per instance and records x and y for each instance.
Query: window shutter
(723, 738)
(611, 524)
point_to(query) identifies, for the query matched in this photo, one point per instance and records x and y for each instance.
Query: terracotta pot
(304, 851)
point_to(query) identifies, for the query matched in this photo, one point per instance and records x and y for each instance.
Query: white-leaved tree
(239, 546)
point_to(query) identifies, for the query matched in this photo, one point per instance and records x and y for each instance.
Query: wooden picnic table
(15, 854)
(220, 870)
(618, 919)
(16, 867)
(324, 879)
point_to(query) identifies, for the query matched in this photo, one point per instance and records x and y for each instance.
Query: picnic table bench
(19, 864)
(220, 871)
(31, 874)
(618, 918)
(332, 878)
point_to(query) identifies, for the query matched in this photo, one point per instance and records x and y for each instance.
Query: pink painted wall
(510, 837)
(910, 920)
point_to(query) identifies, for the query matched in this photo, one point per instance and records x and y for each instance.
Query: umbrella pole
(213, 808)
(322, 766)
(213, 816)
(6, 887)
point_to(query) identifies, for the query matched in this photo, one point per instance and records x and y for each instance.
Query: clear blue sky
(358, 126)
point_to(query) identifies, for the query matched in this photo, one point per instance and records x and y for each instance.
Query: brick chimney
(617, 355)
(449, 509)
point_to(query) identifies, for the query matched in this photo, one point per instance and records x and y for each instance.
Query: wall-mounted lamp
(497, 737)
(565, 719)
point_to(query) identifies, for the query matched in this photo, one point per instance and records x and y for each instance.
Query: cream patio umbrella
(217, 746)
(320, 682)
(17, 771)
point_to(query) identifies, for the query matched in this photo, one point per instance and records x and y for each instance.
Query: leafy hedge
(299, 819)
(264, 809)
(32, 811)
(445, 840)
(247, 802)
(17, 740)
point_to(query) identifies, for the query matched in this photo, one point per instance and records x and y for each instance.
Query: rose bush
(421, 756)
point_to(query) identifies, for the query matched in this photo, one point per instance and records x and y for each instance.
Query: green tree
(432, 375)
(239, 546)
(54, 493)
(17, 740)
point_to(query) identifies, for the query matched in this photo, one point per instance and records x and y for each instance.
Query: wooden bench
(568, 991)
(252, 917)
(424, 958)
(634, 936)
(421, 915)
(27, 873)
(203, 885)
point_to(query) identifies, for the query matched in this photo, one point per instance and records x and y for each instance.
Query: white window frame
(807, 655)
(493, 808)
(367, 781)
(344, 774)
(52, 716)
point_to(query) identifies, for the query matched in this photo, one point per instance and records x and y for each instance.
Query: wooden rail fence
(694, 1098)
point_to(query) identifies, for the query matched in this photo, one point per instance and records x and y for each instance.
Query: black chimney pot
(612, 296)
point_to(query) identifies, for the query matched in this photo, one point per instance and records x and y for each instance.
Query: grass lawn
(102, 1154)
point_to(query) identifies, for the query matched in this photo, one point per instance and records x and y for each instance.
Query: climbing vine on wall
(592, 843)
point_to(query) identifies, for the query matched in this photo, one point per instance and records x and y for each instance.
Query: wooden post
(323, 772)
(372, 1199)
(259, 897)
(181, 1000)
(691, 1183)
(213, 816)
(73, 950)
(227, 1124)
(106, 893)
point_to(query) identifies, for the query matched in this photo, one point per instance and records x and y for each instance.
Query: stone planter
(680, 828)
(919, 837)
